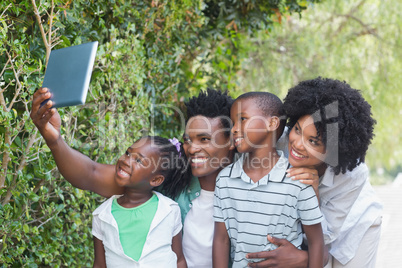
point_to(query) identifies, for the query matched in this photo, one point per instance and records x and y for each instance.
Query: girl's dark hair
(173, 165)
(341, 115)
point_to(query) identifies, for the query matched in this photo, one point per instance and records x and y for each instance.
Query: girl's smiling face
(305, 147)
(138, 166)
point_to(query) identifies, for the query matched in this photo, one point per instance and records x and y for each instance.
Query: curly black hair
(341, 115)
(269, 104)
(173, 165)
(211, 103)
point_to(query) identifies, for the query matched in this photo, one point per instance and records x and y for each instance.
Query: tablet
(68, 74)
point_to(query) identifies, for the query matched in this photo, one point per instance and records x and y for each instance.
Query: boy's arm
(315, 240)
(178, 249)
(100, 259)
(78, 169)
(221, 246)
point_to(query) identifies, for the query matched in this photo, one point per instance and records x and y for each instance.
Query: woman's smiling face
(207, 147)
(305, 147)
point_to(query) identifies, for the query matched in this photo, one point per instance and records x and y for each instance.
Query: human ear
(157, 180)
(274, 123)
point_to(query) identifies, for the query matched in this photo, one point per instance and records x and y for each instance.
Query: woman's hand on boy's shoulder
(306, 175)
(285, 256)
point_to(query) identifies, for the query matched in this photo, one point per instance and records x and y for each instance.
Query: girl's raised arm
(77, 168)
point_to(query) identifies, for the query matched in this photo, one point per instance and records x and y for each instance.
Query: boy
(254, 197)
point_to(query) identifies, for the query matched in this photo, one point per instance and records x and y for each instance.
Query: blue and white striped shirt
(274, 205)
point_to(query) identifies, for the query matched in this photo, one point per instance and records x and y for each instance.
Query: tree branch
(43, 223)
(2, 14)
(6, 157)
(350, 13)
(49, 41)
(367, 28)
(42, 31)
(5, 67)
(3, 102)
(21, 165)
(38, 185)
(19, 85)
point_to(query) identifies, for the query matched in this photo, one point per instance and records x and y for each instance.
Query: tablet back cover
(68, 74)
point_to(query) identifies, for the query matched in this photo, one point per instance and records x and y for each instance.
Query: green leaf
(25, 228)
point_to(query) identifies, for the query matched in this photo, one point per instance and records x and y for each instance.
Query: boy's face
(250, 126)
(137, 166)
(207, 147)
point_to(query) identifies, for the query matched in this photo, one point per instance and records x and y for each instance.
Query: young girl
(142, 228)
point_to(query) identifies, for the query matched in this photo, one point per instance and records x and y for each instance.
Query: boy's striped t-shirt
(275, 205)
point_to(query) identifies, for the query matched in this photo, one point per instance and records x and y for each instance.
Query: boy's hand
(285, 256)
(45, 118)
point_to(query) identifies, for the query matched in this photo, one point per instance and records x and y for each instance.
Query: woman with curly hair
(330, 127)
